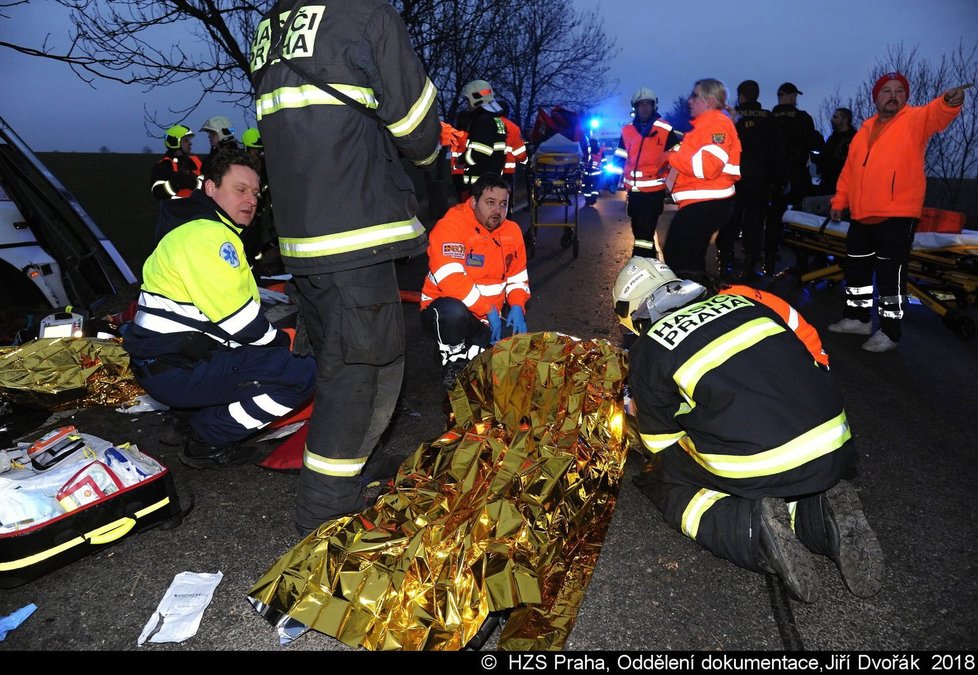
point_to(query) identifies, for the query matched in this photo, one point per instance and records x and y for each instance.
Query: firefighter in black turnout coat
(748, 435)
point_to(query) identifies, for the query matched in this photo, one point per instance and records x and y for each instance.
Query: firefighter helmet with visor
(646, 290)
(221, 126)
(644, 94)
(175, 134)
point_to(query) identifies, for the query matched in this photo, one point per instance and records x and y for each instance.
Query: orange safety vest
(644, 155)
(887, 180)
(482, 269)
(515, 147)
(707, 163)
(796, 322)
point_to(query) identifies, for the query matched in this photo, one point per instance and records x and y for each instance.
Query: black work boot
(450, 371)
(175, 428)
(783, 554)
(200, 455)
(333, 497)
(856, 550)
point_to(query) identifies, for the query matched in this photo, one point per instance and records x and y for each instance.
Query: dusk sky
(819, 45)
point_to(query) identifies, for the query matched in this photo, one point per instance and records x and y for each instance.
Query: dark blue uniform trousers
(236, 392)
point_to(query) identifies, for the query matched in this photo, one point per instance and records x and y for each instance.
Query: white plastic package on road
(178, 615)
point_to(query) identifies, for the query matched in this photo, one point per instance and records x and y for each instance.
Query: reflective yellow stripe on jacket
(818, 442)
(354, 240)
(309, 94)
(724, 347)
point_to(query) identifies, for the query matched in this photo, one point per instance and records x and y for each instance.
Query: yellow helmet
(174, 135)
(251, 138)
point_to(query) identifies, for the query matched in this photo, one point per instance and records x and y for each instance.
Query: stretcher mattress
(965, 242)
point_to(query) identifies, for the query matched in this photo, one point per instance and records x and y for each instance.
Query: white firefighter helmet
(221, 126)
(479, 94)
(646, 290)
(644, 94)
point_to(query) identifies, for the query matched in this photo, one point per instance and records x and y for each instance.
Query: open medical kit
(69, 494)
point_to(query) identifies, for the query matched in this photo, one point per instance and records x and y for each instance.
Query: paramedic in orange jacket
(882, 184)
(704, 169)
(476, 267)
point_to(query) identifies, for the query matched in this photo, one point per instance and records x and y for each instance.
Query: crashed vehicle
(52, 255)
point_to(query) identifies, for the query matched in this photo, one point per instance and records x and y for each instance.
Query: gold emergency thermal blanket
(65, 373)
(507, 509)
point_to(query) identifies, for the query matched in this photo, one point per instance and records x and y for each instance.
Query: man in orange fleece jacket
(883, 185)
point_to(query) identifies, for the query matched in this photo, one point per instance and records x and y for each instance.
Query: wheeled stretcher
(556, 176)
(943, 267)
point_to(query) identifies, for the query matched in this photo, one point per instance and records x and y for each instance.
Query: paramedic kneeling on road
(199, 339)
(476, 263)
(747, 432)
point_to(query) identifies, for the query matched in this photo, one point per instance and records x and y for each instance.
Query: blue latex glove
(11, 621)
(495, 326)
(516, 320)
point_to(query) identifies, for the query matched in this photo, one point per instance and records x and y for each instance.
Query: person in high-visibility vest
(641, 148)
(703, 170)
(199, 340)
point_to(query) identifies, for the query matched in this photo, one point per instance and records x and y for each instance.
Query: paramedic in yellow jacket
(477, 267)
(199, 340)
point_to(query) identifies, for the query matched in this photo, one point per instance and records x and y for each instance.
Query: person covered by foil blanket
(748, 435)
(506, 509)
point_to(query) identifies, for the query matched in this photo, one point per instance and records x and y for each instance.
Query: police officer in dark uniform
(761, 170)
(800, 140)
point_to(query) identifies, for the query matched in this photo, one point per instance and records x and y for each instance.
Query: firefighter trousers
(703, 507)
(236, 392)
(644, 208)
(356, 327)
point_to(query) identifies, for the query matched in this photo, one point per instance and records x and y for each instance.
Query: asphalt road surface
(912, 413)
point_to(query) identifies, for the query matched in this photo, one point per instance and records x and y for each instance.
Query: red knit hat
(886, 78)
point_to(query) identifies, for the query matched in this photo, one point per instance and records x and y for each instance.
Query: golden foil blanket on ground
(506, 509)
(66, 373)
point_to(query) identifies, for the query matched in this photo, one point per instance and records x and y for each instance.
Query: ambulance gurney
(943, 266)
(556, 177)
(507, 509)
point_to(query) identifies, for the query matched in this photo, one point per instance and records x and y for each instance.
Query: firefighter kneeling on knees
(747, 431)
(476, 266)
(199, 340)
